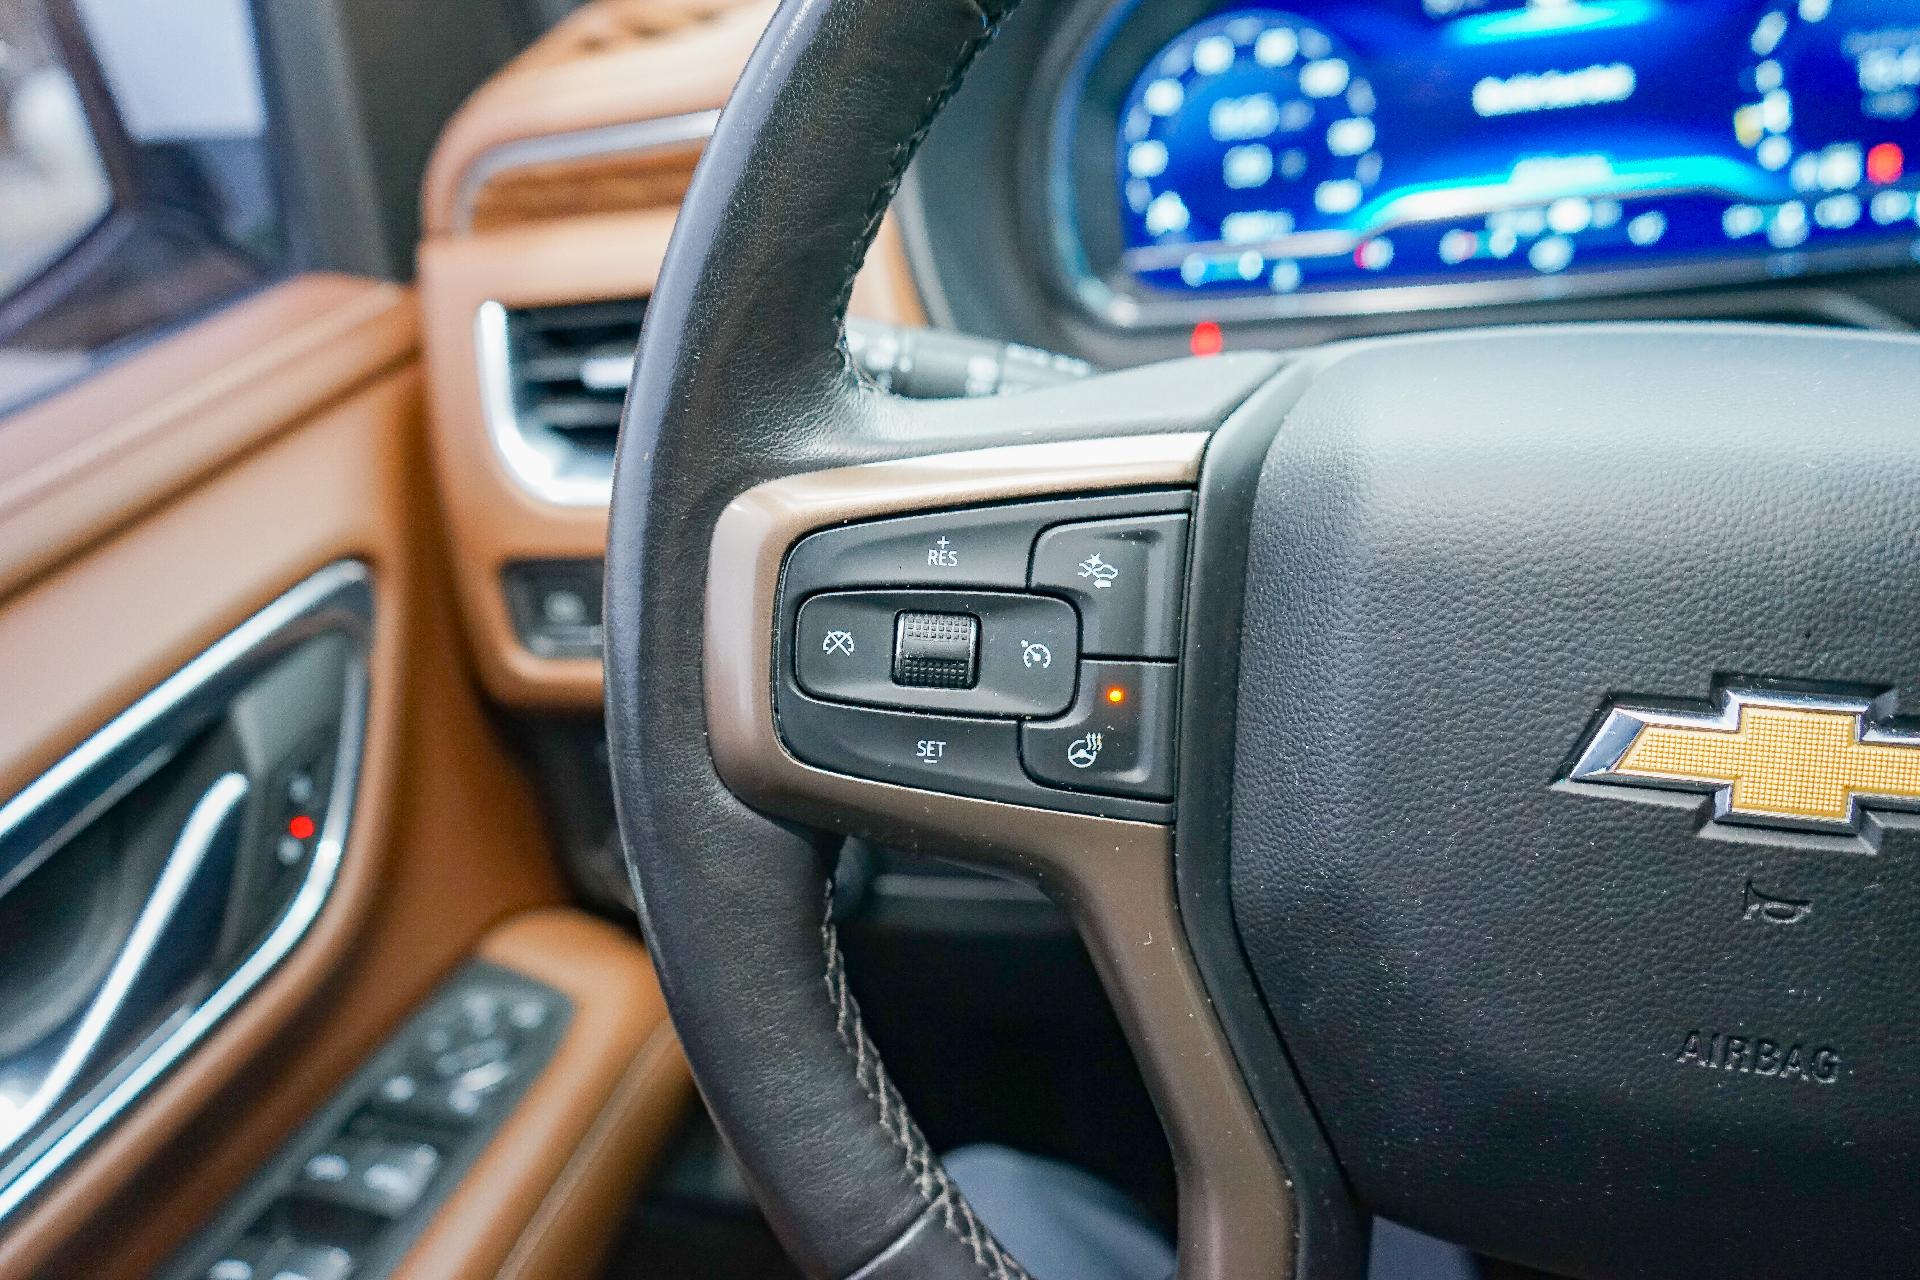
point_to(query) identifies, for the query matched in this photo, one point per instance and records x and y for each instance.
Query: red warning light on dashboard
(1885, 163)
(1207, 340)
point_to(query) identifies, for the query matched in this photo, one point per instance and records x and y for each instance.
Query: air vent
(555, 382)
(555, 379)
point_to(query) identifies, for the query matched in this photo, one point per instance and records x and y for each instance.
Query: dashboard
(1327, 149)
(1293, 171)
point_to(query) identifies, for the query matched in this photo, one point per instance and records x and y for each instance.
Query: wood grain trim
(76, 464)
(584, 186)
(568, 84)
(546, 1196)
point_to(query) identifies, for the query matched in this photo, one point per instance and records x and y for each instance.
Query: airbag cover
(1515, 1001)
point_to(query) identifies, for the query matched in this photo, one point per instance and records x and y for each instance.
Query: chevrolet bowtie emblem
(1792, 761)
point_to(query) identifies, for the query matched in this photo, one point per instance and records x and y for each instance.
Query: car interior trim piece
(38, 822)
(635, 138)
(549, 474)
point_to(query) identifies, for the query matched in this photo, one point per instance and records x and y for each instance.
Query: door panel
(147, 513)
(152, 879)
(78, 465)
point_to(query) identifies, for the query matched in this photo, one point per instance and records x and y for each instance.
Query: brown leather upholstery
(544, 1199)
(142, 515)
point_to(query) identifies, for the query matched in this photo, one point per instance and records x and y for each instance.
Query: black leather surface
(1462, 547)
(741, 379)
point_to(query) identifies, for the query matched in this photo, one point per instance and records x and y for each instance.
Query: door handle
(143, 895)
(171, 939)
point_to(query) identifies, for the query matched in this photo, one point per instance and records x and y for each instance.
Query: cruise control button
(980, 548)
(1118, 738)
(843, 644)
(1023, 647)
(1127, 578)
(933, 753)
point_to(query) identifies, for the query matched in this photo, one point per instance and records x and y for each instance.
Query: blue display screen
(1333, 145)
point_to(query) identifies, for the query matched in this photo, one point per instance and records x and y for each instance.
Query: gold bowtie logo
(1792, 761)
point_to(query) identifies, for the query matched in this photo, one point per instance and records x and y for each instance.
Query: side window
(136, 184)
(50, 169)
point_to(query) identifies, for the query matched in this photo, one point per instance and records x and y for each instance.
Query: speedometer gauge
(1249, 159)
(1833, 87)
(1245, 144)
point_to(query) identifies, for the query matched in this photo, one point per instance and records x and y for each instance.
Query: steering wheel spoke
(1039, 586)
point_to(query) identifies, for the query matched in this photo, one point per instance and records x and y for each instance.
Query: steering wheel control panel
(1025, 653)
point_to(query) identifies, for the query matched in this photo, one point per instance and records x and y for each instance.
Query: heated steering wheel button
(1126, 576)
(936, 650)
(1117, 739)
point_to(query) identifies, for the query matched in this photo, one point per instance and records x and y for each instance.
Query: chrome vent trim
(553, 384)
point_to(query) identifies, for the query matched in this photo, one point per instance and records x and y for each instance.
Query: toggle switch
(936, 650)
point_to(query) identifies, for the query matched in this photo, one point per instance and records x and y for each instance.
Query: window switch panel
(351, 1192)
(370, 1175)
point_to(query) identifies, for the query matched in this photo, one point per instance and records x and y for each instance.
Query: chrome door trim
(211, 817)
(339, 598)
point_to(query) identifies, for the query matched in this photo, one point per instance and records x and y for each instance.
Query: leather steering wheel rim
(742, 386)
(741, 378)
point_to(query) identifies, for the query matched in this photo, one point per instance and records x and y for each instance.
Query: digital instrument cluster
(1326, 146)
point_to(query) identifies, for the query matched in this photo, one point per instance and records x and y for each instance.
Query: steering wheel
(1473, 761)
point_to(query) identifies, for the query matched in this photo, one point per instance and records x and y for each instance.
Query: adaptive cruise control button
(987, 653)
(1117, 739)
(1126, 576)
